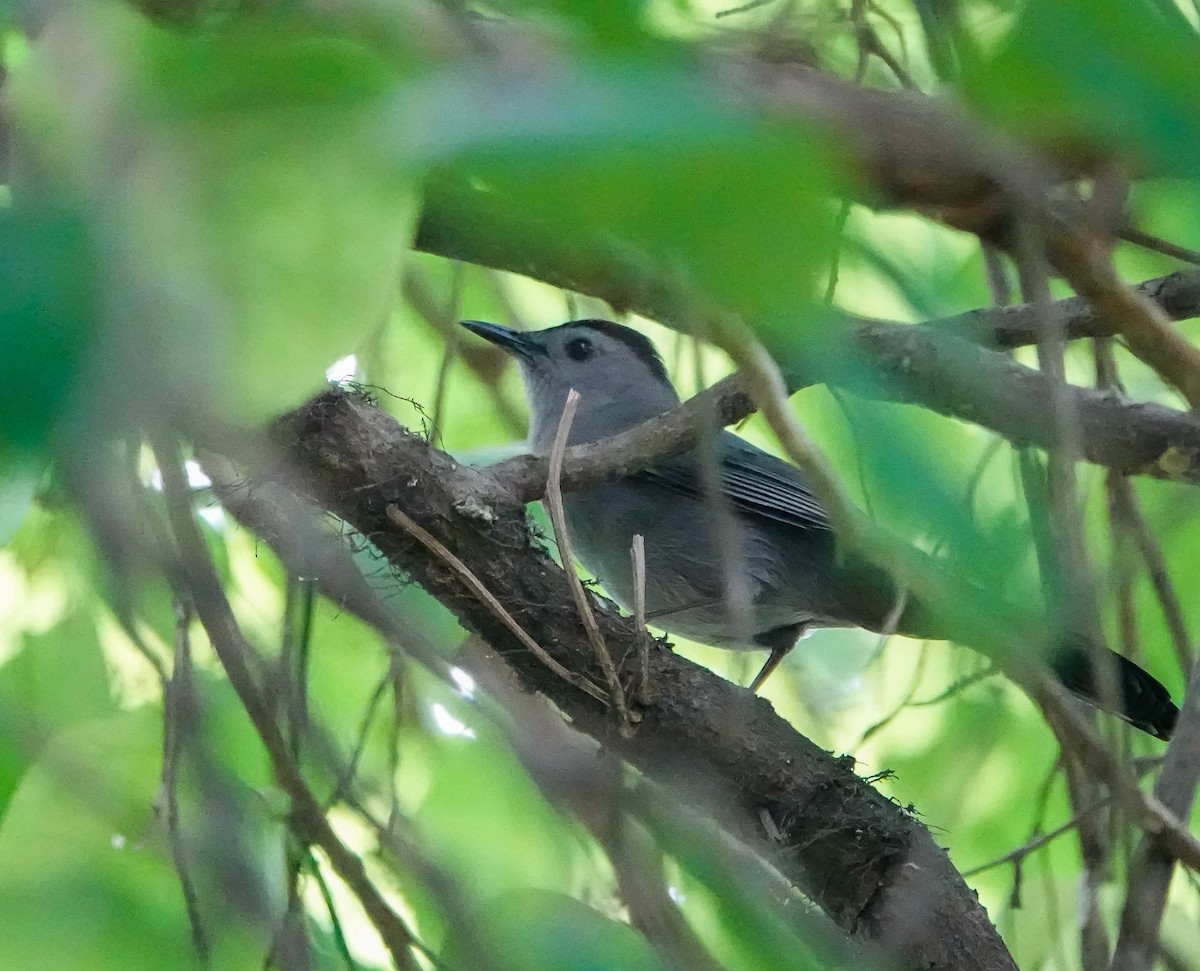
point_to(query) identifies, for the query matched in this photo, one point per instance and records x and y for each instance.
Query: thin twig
(198, 576)
(558, 519)
(909, 695)
(1154, 818)
(1153, 863)
(638, 554)
(294, 656)
(451, 343)
(956, 687)
(1035, 844)
(869, 42)
(179, 719)
(346, 778)
(335, 923)
(393, 749)
(1157, 244)
(485, 596)
(1125, 506)
(1065, 563)
(1145, 326)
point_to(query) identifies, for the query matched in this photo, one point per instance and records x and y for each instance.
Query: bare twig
(1154, 861)
(179, 722)
(637, 553)
(1066, 570)
(1126, 509)
(1018, 855)
(452, 339)
(1144, 325)
(476, 586)
(335, 923)
(558, 519)
(869, 42)
(443, 319)
(346, 778)
(1070, 581)
(197, 574)
(1147, 811)
(1132, 234)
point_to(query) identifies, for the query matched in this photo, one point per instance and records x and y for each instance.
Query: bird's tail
(1115, 684)
(1100, 677)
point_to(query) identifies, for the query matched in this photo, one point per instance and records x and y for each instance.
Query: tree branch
(870, 866)
(923, 365)
(1004, 328)
(916, 364)
(1153, 863)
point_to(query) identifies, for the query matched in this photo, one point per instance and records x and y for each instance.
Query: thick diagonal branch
(874, 869)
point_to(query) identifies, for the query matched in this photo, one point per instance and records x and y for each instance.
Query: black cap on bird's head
(571, 341)
(616, 370)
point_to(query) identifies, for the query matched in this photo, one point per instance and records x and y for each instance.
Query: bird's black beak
(510, 340)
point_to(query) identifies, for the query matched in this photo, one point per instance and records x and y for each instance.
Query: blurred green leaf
(723, 904)
(1114, 71)
(645, 157)
(241, 180)
(19, 475)
(606, 24)
(57, 679)
(86, 878)
(538, 930)
(47, 316)
(480, 814)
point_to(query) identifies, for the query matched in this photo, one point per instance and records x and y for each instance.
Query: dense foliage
(211, 208)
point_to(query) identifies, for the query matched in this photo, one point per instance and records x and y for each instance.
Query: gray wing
(756, 482)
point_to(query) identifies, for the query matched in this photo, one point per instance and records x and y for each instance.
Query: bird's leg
(773, 659)
(780, 640)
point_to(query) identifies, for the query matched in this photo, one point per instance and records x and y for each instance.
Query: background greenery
(212, 206)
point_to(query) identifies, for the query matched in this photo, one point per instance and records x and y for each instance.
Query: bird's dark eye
(579, 349)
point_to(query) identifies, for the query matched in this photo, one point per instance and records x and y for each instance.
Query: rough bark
(865, 861)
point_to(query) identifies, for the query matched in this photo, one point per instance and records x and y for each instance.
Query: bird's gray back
(767, 530)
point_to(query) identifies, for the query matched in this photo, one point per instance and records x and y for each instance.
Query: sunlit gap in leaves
(211, 513)
(447, 724)
(464, 682)
(343, 369)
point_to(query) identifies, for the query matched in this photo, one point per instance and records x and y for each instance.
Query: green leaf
(644, 157)
(538, 930)
(88, 876)
(240, 176)
(57, 679)
(481, 815)
(47, 314)
(19, 475)
(1113, 71)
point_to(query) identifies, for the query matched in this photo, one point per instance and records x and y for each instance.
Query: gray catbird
(764, 534)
